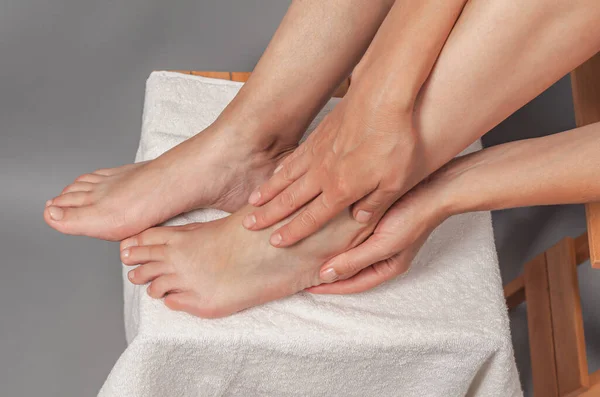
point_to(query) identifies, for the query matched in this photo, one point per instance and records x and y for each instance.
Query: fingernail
(363, 216)
(56, 213)
(125, 253)
(249, 221)
(329, 275)
(48, 203)
(276, 239)
(279, 167)
(131, 275)
(254, 197)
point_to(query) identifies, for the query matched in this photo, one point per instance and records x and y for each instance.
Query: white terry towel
(440, 331)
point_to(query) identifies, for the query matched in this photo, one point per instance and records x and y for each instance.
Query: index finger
(310, 220)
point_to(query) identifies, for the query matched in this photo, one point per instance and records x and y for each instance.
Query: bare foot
(217, 168)
(218, 268)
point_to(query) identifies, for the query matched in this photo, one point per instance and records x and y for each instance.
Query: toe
(72, 199)
(92, 178)
(183, 302)
(85, 220)
(153, 236)
(78, 187)
(143, 254)
(148, 272)
(115, 170)
(107, 171)
(164, 284)
(63, 219)
(191, 303)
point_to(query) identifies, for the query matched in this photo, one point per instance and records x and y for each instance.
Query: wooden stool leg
(585, 84)
(567, 321)
(539, 317)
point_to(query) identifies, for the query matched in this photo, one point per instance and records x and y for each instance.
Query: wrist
(457, 188)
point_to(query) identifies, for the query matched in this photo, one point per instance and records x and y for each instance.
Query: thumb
(375, 249)
(368, 278)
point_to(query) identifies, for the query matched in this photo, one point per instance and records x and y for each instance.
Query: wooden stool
(549, 282)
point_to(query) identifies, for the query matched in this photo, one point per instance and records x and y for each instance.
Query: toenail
(48, 203)
(329, 275)
(279, 167)
(56, 213)
(131, 275)
(125, 253)
(254, 197)
(363, 216)
(276, 239)
(249, 221)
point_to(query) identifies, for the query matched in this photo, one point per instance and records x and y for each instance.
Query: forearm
(403, 52)
(499, 56)
(557, 169)
(316, 46)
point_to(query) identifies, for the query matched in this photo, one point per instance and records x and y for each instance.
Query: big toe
(82, 221)
(191, 303)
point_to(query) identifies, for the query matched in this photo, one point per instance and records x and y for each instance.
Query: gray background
(72, 78)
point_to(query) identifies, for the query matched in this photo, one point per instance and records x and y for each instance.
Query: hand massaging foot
(218, 268)
(113, 204)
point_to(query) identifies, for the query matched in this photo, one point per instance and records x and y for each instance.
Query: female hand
(393, 245)
(362, 153)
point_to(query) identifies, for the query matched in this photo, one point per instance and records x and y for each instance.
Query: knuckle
(386, 269)
(371, 203)
(350, 268)
(302, 149)
(340, 190)
(381, 245)
(307, 218)
(288, 199)
(287, 173)
(326, 202)
(394, 266)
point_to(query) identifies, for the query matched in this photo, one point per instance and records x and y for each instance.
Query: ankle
(259, 132)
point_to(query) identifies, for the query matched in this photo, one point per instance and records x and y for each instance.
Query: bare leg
(316, 46)
(499, 56)
(481, 77)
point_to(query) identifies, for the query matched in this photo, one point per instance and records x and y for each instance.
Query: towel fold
(442, 330)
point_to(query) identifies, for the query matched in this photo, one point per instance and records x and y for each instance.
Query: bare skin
(243, 146)
(499, 56)
(189, 265)
(115, 203)
(367, 153)
(555, 169)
